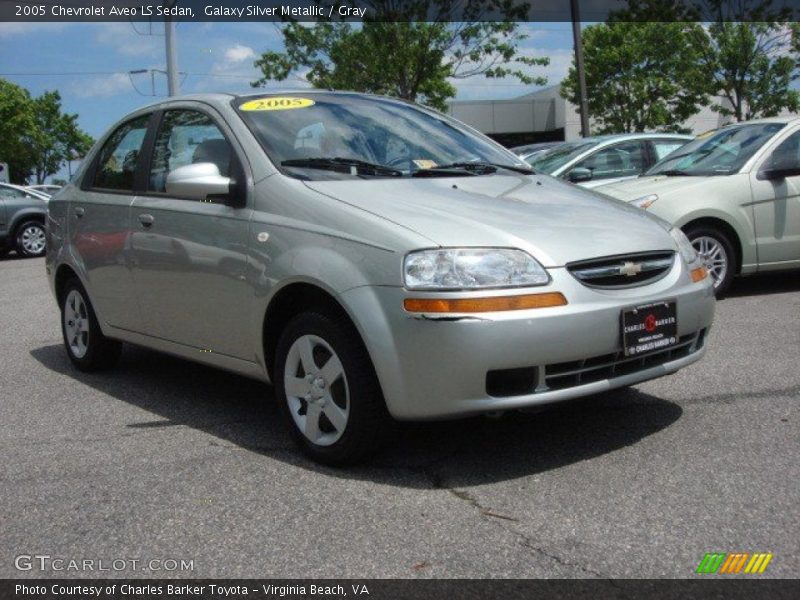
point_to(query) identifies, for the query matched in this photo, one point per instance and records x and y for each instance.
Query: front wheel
(328, 391)
(717, 255)
(31, 239)
(87, 347)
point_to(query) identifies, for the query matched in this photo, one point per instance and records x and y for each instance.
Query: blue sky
(214, 56)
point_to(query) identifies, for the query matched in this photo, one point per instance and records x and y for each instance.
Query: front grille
(579, 372)
(623, 271)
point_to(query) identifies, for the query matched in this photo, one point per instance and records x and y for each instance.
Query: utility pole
(172, 59)
(576, 35)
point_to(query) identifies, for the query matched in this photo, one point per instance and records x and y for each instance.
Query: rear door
(190, 256)
(776, 207)
(99, 224)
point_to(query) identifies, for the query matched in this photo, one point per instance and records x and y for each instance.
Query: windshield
(552, 160)
(723, 153)
(323, 136)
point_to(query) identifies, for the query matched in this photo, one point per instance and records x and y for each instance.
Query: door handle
(79, 211)
(146, 220)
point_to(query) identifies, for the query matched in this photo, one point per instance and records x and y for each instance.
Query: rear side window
(119, 156)
(186, 137)
(663, 148)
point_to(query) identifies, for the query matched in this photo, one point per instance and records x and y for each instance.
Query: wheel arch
(23, 217)
(726, 228)
(293, 299)
(63, 274)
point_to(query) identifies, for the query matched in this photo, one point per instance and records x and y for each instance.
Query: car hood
(633, 189)
(555, 222)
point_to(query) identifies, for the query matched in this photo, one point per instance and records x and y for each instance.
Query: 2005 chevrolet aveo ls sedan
(373, 259)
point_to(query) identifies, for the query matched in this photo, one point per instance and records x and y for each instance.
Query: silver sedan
(373, 259)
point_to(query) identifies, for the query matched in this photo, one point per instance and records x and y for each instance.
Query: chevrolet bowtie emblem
(630, 269)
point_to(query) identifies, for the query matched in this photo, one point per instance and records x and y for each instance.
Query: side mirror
(579, 174)
(773, 174)
(201, 181)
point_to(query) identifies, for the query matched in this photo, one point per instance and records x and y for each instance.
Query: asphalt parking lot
(163, 459)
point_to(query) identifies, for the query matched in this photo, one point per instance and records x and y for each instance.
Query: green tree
(409, 50)
(752, 66)
(36, 137)
(749, 50)
(17, 124)
(57, 136)
(641, 75)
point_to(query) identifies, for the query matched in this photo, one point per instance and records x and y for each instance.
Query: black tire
(99, 352)
(23, 243)
(356, 391)
(697, 234)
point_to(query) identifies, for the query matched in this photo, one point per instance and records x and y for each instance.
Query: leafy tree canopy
(409, 49)
(36, 137)
(641, 76)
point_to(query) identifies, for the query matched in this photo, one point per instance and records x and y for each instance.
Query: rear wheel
(328, 391)
(31, 239)
(717, 254)
(87, 347)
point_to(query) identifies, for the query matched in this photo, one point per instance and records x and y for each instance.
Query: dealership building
(544, 116)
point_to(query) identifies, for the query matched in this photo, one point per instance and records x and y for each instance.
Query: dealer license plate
(649, 328)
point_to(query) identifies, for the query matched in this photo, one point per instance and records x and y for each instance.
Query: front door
(776, 207)
(189, 256)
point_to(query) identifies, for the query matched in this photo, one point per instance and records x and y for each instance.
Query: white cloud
(239, 53)
(110, 85)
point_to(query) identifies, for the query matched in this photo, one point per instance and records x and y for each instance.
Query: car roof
(614, 137)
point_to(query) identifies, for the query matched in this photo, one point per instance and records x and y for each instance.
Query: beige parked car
(736, 195)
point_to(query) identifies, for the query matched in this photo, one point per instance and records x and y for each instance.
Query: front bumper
(436, 366)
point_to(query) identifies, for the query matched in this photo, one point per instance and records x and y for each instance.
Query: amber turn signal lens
(490, 304)
(699, 274)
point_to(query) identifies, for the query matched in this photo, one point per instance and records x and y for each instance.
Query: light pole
(576, 36)
(172, 58)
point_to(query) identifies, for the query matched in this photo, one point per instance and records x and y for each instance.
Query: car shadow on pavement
(240, 412)
(765, 283)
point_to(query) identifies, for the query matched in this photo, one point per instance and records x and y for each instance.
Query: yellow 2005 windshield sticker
(277, 103)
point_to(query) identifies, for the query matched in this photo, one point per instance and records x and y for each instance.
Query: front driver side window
(620, 160)
(119, 157)
(786, 155)
(186, 137)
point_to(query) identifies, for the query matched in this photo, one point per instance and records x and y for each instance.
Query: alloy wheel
(76, 324)
(712, 254)
(33, 239)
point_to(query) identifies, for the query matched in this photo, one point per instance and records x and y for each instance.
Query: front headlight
(471, 268)
(645, 202)
(685, 247)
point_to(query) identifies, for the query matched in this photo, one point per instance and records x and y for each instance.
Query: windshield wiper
(673, 173)
(488, 167)
(342, 165)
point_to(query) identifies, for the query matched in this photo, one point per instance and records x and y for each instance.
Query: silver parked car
(22, 217)
(735, 193)
(604, 159)
(371, 258)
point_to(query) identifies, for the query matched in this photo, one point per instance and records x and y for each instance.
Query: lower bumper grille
(569, 374)
(559, 376)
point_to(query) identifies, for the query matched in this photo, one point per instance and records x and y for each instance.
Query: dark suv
(22, 219)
